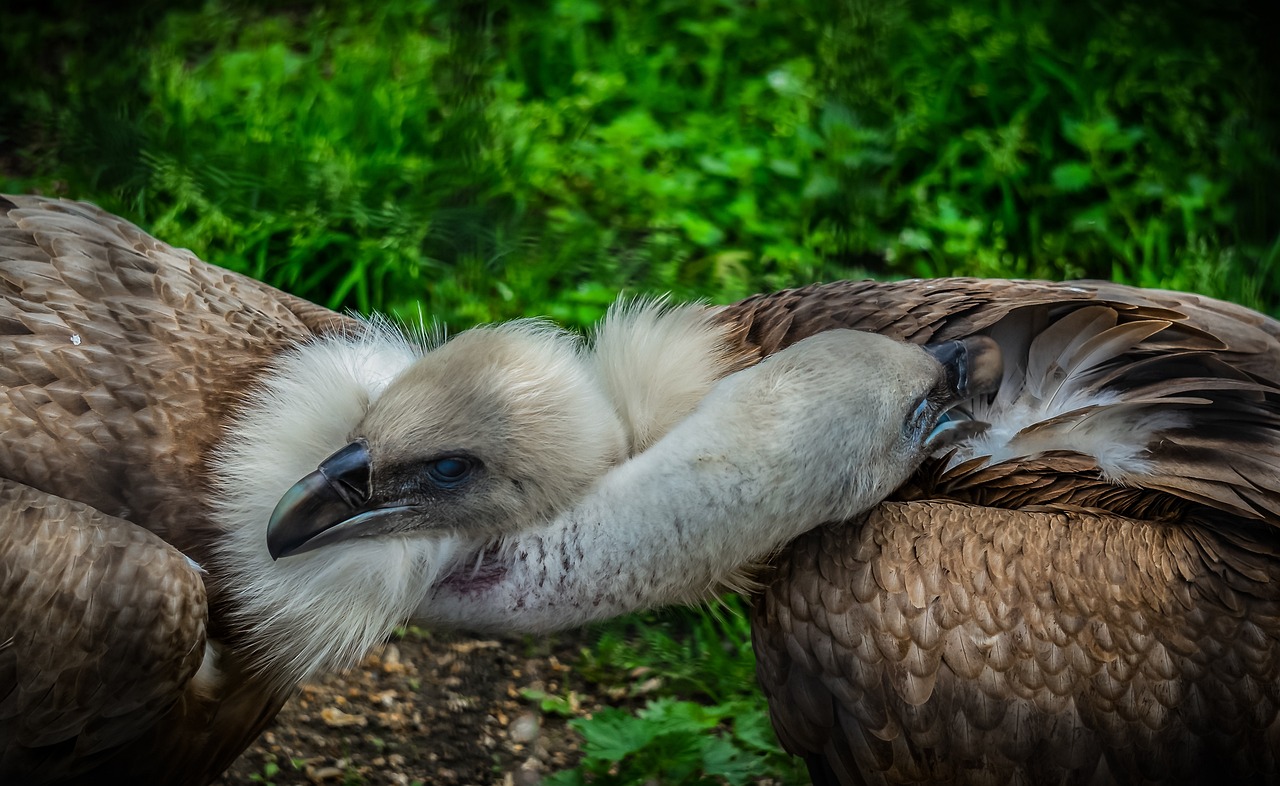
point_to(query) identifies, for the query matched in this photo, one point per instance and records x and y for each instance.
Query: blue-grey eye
(449, 471)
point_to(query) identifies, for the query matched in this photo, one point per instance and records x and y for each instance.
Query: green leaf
(753, 728)
(673, 716)
(1072, 176)
(612, 734)
(721, 757)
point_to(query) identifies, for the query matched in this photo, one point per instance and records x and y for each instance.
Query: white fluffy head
(520, 396)
(545, 420)
(323, 610)
(520, 402)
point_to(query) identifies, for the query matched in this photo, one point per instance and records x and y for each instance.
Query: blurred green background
(491, 160)
(470, 161)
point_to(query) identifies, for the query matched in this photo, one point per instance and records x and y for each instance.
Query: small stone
(391, 663)
(529, 774)
(322, 774)
(525, 728)
(332, 716)
(386, 698)
(648, 686)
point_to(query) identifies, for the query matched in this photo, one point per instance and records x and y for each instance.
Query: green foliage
(703, 654)
(483, 162)
(719, 729)
(1050, 140)
(269, 771)
(670, 742)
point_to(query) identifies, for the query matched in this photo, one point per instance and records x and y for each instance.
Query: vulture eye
(924, 422)
(450, 471)
(919, 414)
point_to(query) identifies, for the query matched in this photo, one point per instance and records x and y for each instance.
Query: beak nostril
(348, 470)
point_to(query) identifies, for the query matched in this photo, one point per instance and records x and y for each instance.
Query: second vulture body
(1086, 593)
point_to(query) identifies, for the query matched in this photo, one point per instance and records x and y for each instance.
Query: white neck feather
(772, 452)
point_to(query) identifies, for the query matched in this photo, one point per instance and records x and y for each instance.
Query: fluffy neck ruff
(323, 610)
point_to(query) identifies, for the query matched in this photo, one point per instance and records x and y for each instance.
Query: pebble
(332, 716)
(525, 728)
(322, 774)
(529, 774)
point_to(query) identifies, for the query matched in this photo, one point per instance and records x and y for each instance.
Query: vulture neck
(660, 529)
(761, 460)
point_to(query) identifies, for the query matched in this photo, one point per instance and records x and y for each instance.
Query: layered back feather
(1168, 393)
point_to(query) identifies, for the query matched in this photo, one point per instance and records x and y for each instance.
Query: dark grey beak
(334, 494)
(974, 365)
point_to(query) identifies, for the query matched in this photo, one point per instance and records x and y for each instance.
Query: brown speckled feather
(78, 583)
(121, 359)
(944, 642)
(1045, 615)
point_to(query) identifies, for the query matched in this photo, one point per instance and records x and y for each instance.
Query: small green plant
(269, 771)
(702, 716)
(670, 741)
(566, 706)
(693, 653)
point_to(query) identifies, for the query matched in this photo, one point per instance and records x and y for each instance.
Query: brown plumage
(167, 578)
(1088, 593)
(117, 378)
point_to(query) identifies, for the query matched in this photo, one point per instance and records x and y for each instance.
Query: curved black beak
(335, 493)
(974, 365)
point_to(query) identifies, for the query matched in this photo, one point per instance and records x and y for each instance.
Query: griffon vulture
(211, 490)
(1088, 592)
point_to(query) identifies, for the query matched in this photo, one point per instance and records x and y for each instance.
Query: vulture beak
(326, 505)
(974, 366)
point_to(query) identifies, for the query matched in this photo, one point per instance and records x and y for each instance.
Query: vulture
(211, 490)
(1087, 591)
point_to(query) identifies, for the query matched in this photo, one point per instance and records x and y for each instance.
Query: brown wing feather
(77, 584)
(121, 357)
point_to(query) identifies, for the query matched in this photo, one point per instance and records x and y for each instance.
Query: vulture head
(485, 435)
(485, 483)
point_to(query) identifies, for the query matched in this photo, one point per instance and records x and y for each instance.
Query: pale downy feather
(657, 361)
(1061, 401)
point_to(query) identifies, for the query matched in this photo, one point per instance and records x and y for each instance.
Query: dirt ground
(428, 708)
